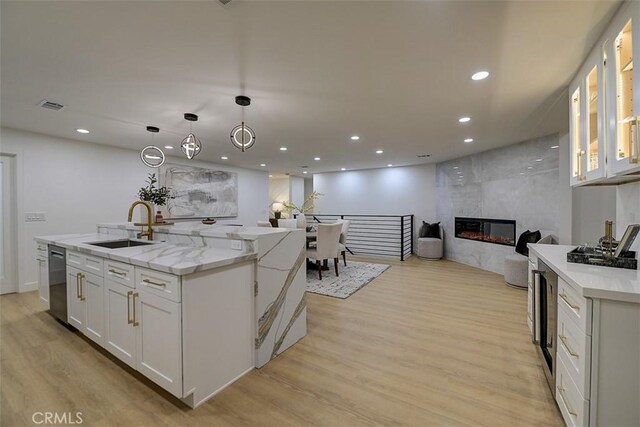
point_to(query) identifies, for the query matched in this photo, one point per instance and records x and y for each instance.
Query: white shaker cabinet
(43, 275)
(120, 334)
(158, 325)
(76, 307)
(92, 292)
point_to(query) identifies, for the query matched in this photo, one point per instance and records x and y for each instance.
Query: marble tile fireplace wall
(519, 182)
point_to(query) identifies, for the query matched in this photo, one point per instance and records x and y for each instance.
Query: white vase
(301, 221)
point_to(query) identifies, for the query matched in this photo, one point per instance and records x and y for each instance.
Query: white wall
(592, 206)
(628, 210)
(278, 192)
(296, 190)
(565, 201)
(308, 187)
(388, 191)
(79, 184)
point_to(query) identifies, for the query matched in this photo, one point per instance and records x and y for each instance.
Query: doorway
(8, 249)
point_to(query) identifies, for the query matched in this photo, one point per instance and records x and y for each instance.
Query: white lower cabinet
(119, 334)
(85, 296)
(158, 324)
(76, 308)
(43, 280)
(145, 332)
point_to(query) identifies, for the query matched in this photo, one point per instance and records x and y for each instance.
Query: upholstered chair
(431, 247)
(342, 248)
(326, 246)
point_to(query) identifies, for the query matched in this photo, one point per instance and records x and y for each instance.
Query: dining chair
(326, 246)
(264, 224)
(287, 223)
(344, 234)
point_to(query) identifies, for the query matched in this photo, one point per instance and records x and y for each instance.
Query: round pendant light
(242, 136)
(191, 145)
(151, 155)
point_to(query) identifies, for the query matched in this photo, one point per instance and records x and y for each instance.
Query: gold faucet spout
(149, 232)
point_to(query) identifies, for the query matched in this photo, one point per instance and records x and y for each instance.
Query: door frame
(11, 231)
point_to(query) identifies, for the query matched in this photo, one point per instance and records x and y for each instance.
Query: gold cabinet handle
(564, 400)
(563, 339)
(564, 297)
(119, 273)
(129, 320)
(78, 285)
(82, 276)
(135, 323)
(151, 282)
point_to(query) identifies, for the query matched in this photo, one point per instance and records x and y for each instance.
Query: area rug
(353, 277)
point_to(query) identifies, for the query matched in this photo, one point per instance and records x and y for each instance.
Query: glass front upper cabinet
(575, 136)
(592, 116)
(624, 108)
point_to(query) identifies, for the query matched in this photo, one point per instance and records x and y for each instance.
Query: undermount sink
(115, 244)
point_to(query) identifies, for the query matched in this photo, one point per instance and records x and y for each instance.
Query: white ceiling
(394, 73)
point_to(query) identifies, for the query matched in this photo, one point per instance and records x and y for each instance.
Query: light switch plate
(236, 244)
(35, 216)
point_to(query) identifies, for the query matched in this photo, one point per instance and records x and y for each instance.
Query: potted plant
(156, 196)
(307, 206)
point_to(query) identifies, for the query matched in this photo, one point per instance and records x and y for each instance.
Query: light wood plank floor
(428, 343)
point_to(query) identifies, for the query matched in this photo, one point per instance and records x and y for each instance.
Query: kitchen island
(187, 316)
(595, 345)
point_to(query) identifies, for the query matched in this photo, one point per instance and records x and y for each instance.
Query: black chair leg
(335, 264)
(344, 257)
(319, 265)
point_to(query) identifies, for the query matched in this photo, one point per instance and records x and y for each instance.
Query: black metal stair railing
(376, 235)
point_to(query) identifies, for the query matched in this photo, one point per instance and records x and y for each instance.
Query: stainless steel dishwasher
(58, 282)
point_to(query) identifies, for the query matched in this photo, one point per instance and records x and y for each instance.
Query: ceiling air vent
(225, 2)
(50, 105)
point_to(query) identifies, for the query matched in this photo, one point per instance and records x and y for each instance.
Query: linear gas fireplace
(498, 231)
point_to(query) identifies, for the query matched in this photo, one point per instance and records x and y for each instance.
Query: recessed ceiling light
(468, 140)
(480, 75)
(283, 148)
(355, 138)
(538, 160)
(343, 169)
(464, 119)
(270, 176)
(305, 172)
(529, 167)
(555, 146)
(455, 167)
(82, 131)
(169, 147)
(521, 173)
(224, 158)
(379, 151)
(262, 164)
(316, 158)
(389, 165)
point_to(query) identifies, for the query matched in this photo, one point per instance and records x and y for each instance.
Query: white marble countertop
(175, 259)
(193, 228)
(591, 281)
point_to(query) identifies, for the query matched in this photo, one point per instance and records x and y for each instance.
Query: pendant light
(151, 155)
(191, 145)
(242, 136)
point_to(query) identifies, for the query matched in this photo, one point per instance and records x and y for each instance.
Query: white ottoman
(515, 270)
(429, 248)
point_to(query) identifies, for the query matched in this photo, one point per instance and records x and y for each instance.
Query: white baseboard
(28, 287)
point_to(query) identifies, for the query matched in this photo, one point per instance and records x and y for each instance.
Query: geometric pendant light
(242, 136)
(151, 155)
(191, 145)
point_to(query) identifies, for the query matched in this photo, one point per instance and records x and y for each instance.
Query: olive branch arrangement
(306, 206)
